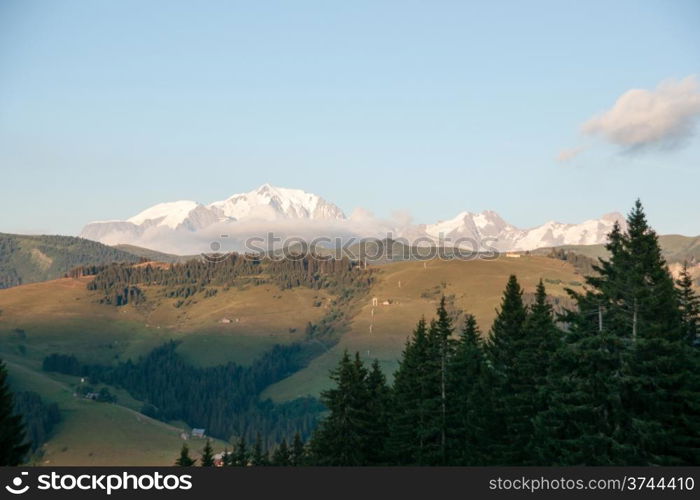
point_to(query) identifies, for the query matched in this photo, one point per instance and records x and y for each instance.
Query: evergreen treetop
(184, 460)
(207, 459)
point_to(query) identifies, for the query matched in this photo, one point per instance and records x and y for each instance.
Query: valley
(235, 324)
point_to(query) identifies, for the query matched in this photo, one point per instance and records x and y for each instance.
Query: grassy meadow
(237, 324)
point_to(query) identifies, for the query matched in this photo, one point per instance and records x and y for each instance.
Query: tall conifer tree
(504, 348)
(12, 437)
(690, 306)
(626, 378)
(408, 416)
(207, 459)
(184, 460)
(258, 456)
(663, 398)
(281, 456)
(378, 413)
(534, 360)
(440, 347)
(469, 404)
(240, 456)
(298, 451)
(341, 438)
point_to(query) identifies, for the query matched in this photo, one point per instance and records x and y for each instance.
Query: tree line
(122, 283)
(582, 263)
(284, 455)
(224, 399)
(611, 381)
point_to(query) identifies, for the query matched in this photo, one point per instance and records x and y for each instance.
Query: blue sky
(431, 107)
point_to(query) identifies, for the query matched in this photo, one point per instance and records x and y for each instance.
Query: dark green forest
(26, 422)
(614, 380)
(225, 400)
(38, 417)
(122, 284)
(611, 380)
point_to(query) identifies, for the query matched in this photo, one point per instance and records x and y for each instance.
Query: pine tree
(468, 390)
(542, 336)
(259, 456)
(419, 408)
(534, 360)
(207, 459)
(341, 438)
(281, 456)
(508, 327)
(506, 341)
(298, 451)
(12, 436)
(407, 412)
(663, 397)
(378, 412)
(626, 375)
(586, 422)
(240, 454)
(440, 347)
(226, 458)
(184, 460)
(690, 306)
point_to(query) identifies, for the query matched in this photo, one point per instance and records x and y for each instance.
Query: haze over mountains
(187, 227)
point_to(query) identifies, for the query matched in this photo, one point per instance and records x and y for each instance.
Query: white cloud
(566, 155)
(664, 117)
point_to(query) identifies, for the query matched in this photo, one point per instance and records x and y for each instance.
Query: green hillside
(675, 248)
(252, 322)
(679, 248)
(29, 259)
(405, 291)
(234, 312)
(92, 433)
(147, 253)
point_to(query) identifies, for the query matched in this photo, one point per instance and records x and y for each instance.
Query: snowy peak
(188, 226)
(553, 233)
(170, 214)
(267, 203)
(488, 228)
(270, 203)
(469, 225)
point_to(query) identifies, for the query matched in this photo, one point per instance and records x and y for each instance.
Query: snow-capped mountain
(187, 227)
(550, 234)
(490, 229)
(271, 203)
(487, 224)
(176, 214)
(265, 204)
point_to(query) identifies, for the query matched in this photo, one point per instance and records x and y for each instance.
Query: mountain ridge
(187, 227)
(34, 258)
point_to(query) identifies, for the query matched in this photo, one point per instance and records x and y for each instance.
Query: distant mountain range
(189, 227)
(28, 259)
(265, 204)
